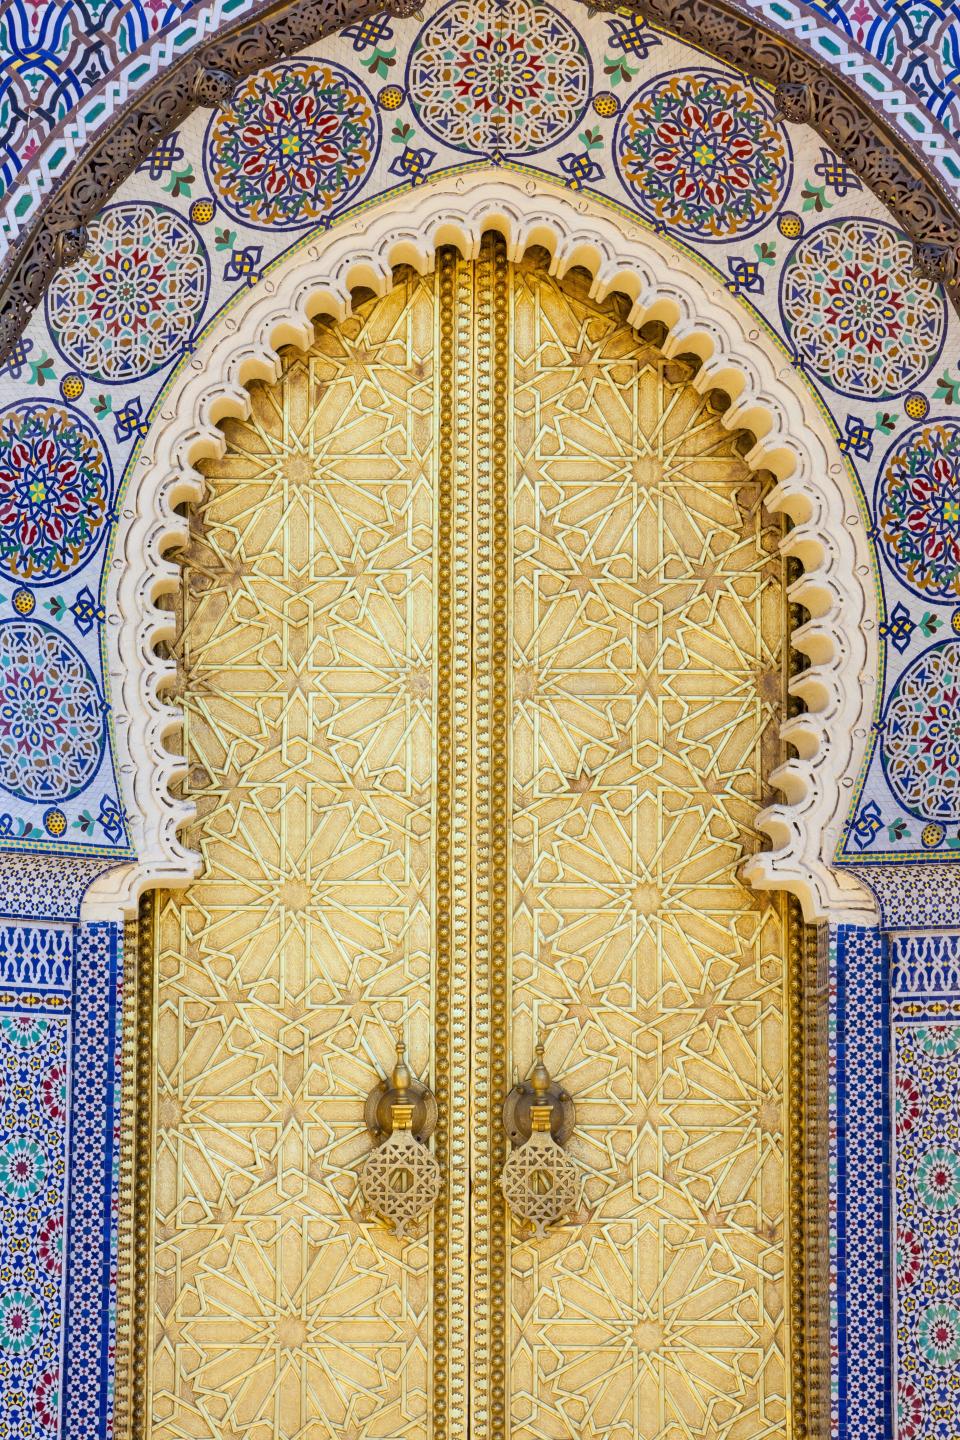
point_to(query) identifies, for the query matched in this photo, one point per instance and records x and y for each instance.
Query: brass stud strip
(458, 1021)
(807, 1220)
(481, 1116)
(500, 858)
(491, 899)
(796, 946)
(140, 1063)
(446, 270)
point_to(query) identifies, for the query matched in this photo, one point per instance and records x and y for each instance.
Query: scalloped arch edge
(792, 442)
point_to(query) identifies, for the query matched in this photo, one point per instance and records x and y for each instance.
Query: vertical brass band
(499, 833)
(483, 1120)
(796, 956)
(139, 970)
(806, 1000)
(490, 892)
(461, 1058)
(815, 1279)
(440, 1378)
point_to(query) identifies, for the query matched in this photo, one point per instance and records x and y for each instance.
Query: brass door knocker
(400, 1179)
(540, 1182)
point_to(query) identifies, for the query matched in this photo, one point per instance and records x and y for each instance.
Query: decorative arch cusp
(827, 537)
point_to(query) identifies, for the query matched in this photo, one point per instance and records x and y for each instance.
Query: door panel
(648, 628)
(307, 646)
(482, 666)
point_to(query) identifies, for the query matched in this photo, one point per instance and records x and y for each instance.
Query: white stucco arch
(813, 489)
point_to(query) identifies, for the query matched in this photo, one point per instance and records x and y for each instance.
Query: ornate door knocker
(400, 1179)
(540, 1183)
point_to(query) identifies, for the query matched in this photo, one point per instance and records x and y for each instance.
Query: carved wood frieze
(805, 94)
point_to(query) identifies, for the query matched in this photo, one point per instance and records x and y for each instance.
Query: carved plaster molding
(840, 639)
(806, 92)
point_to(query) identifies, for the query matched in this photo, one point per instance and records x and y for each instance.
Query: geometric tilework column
(859, 1182)
(925, 982)
(91, 1290)
(36, 964)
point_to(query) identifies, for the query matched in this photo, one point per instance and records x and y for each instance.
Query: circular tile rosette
(131, 303)
(51, 714)
(703, 155)
(55, 488)
(23, 1168)
(21, 1321)
(495, 78)
(918, 509)
(921, 735)
(937, 1180)
(858, 317)
(938, 1335)
(297, 140)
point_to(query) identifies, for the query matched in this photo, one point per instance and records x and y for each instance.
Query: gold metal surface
(308, 653)
(482, 663)
(648, 681)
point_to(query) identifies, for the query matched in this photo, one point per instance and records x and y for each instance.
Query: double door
(482, 646)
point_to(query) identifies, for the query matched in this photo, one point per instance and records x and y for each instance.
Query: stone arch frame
(840, 640)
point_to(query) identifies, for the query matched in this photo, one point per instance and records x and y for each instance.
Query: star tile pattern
(925, 1006)
(306, 650)
(648, 596)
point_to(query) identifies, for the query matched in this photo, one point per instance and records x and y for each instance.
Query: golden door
(481, 648)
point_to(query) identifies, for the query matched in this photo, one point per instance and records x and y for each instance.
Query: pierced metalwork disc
(400, 1181)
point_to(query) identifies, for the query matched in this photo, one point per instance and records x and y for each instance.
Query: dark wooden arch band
(808, 92)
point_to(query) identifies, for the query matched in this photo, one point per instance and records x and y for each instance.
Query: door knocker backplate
(400, 1179)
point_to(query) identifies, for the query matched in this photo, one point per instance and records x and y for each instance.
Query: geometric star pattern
(647, 619)
(648, 612)
(306, 649)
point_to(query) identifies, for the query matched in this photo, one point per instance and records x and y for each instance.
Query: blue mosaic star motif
(899, 628)
(867, 826)
(412, 164)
